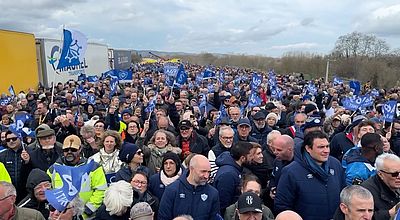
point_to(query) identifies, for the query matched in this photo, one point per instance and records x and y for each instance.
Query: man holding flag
(93, 184)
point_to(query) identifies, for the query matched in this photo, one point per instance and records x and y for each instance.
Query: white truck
(48, 52)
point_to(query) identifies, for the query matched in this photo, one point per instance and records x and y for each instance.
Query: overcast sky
(263, 27)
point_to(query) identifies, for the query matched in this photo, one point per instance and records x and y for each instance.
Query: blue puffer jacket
(302, 190)
(227, 180)
(356, 166)
(180, 197)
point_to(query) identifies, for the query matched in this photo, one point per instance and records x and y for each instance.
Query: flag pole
(59, 55)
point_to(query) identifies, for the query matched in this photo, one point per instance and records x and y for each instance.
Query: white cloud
(297, 46)
(252, 27)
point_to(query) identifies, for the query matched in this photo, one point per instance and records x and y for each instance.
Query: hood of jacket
(226, 159)
(36, 176)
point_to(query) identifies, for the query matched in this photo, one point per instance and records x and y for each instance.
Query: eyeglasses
(73, 150)
(11, 139)
(6, 197)
(139, 182)
(227, 138)
(394, 174)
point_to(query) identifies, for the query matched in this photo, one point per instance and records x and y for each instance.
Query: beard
(69, 158)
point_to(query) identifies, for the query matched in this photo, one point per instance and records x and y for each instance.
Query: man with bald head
(283, 147)
(191, 194)
(286, 215)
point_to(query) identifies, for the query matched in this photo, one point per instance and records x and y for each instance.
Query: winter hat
(172, 156)
(128, 150)
(36, 176)
(127, 111)
(272, 115)
(309, 108)
(141, 211)
(312, 122)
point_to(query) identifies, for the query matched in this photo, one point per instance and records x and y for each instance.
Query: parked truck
(18, 63)
(25, 61)
(48, 51)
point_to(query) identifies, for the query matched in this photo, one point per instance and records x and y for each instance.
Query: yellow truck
(18, 61)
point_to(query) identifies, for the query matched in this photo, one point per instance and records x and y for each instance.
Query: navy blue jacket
(277, 172)
(302, 190)
(227, 180)
(340, 144)
(156, 187)
(180, 197)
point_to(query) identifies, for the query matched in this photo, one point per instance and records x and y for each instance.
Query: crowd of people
(202, 150)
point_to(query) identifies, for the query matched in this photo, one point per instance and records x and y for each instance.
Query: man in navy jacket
(227, 180)
(190, 194)
(312, 183)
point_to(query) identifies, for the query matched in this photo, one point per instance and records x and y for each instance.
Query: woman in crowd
(272, 120)
(89, 144)
(141, 193)
(132, 132)
(171, 170)
(99, 128)
(107, 157)
(132, 156)
(118, 199)
(161, 142)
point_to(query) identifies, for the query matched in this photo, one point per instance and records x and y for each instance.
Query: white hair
(118, 197)
(10, 189)
(78, 206)
(382, 158)
(272, 135)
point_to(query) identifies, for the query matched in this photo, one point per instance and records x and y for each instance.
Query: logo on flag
(73, 50)
(72, 178)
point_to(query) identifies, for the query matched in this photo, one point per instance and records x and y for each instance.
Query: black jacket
(43, 159)
(103, 214)
(16, 169)
(36, 177)
(384, 198)
(198, 144)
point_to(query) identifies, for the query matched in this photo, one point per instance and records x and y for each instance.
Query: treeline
(355, 56)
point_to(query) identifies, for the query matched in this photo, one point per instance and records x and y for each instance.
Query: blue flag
(92, 79)
(312, 89)
(11, 91)
(221, 77)
(5, 101)
(73, 50)
(208, 73)
(358, 102)
(72, 178)
(181, 77)
(356, 86)
(221, 114)
(388, 110)
(120, 74)
(397, 216)
(91, 99)
(171, 70)
(337, 81)
(276, 93)
(210, 88)
(152, 104)
(374, 92)
(255, 81)
(113, 86)
(254, 100)
(82, 77)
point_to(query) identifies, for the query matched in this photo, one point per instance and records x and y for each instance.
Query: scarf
(168, 180)
(321, 171)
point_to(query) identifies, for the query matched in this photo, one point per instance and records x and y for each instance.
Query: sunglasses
(11, 139)
(139, 152)
(73, 150)
(394, 174)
